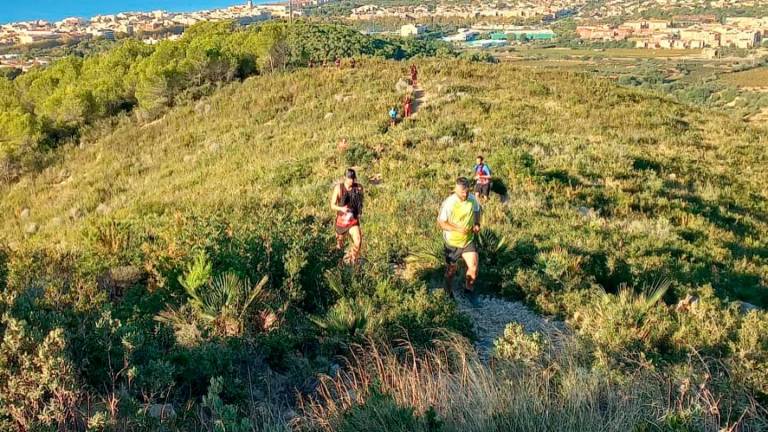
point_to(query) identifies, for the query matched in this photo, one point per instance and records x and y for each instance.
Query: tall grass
(468, 395)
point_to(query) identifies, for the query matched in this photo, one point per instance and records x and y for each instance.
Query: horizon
(53, 10)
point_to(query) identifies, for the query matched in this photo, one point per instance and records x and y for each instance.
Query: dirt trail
(490, 316)
(419, 98)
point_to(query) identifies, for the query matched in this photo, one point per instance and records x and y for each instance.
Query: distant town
(545, 10)
(490, 24)
(683, 32)
(151, 27)
(622, 8)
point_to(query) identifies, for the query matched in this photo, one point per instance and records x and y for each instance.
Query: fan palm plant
(348, 317)
(426, 259)
(220, 301)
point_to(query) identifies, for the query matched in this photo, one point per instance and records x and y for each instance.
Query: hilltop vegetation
(47, 106)
(187, 259)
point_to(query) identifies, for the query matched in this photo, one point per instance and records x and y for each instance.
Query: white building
(32, 36)
(104, 33)
(412, 30)
(462, 36)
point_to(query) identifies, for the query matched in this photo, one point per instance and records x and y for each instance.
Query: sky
(54, 10)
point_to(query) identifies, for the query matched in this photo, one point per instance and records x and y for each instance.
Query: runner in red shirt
(407, 106)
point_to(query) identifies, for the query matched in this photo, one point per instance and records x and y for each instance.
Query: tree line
(49, 105)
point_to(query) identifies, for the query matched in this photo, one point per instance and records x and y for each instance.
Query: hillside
(604, 188)
(646, 169)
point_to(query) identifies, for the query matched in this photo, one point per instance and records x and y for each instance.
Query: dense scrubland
(183, 259)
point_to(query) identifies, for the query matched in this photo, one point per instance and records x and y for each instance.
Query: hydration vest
(352, 199)
(479, 170)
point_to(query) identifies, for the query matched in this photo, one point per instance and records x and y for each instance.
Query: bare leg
(339, 241)
(472, 259)
(357, 242)
(450, 271)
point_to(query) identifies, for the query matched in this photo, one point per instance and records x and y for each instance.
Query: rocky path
(419, 99)
(490, 315)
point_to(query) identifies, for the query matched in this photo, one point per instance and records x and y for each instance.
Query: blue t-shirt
(393, 113)
(483, 170)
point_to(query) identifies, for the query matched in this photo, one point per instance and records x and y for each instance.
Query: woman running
(347, 201)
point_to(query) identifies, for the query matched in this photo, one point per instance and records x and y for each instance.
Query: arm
(335, 198)
(362, 201)
(447, 226)
(444, 224)
(478, 213)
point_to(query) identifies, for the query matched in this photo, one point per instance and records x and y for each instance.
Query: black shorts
(483, 189)
(453, 254)
(344, 230)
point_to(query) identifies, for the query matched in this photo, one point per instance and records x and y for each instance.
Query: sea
(55, 10)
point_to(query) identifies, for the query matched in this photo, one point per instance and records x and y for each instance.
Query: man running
(414, 74)
(347, 201)
(482, 178)
(460, 220)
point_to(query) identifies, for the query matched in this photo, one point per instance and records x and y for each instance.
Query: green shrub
(381, 413)
(39, 387)
(457, 130)
(626, 324)
(518, 346)
(223, 417)
(750, 352)
(359, 155)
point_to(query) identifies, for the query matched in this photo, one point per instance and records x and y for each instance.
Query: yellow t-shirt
(460, 213)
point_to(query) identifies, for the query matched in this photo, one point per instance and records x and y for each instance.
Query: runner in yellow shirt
(460, 221)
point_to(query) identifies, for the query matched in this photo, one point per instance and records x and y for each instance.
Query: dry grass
(468, 395)
(753, 78)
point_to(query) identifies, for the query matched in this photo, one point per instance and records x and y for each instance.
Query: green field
(751, 78)
(631, 53)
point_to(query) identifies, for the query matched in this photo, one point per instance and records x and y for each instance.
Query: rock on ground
(161, 411)
(117, 279)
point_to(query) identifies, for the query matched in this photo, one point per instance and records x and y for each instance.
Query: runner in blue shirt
(482, 178)
(393, 116)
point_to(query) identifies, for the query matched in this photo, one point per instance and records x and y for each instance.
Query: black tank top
(352, 198)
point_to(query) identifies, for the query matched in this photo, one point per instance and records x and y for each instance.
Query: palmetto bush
(222, 301)
(348, 318)
(498, 263)
(627, 324)
(426, 260)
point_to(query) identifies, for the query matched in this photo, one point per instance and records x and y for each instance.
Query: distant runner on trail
(459, 219)
(393, 116)
(482, 178)
(347, 201)
(338, 62)
(352, 63)
(407, 106)
(414, 74)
